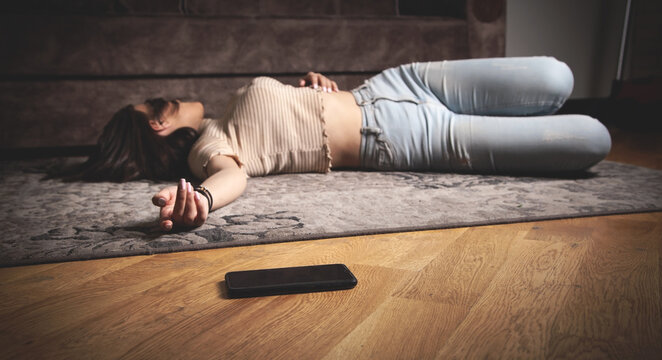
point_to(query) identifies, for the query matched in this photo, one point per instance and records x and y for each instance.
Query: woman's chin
(202, 110)
(200, 114)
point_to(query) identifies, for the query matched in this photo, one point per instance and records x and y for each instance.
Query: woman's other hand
(180, 206)
(317, 80)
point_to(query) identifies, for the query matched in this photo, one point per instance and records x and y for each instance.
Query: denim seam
(556, 104)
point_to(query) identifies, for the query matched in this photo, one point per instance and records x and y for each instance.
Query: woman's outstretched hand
(317, 80)
(180, 206)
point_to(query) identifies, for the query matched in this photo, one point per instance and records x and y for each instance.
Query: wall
(644, 53)
(585, 34)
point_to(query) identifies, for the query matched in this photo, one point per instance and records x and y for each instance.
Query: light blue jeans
(477, 115)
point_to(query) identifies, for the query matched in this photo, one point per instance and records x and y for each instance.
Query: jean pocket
(386, 156)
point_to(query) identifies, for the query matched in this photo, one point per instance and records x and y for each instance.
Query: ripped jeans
(476, 115)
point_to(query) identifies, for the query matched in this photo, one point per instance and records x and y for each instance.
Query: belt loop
(371, 130)
(365, 94)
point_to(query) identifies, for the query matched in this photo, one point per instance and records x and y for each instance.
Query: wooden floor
(576, 288)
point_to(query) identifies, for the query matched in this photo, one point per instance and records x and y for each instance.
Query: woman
(478, 115)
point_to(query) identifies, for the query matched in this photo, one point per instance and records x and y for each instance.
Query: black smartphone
(289, 280)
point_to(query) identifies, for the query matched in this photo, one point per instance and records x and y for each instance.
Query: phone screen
(289, 280)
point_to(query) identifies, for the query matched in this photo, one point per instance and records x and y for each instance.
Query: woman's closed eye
(160, 107)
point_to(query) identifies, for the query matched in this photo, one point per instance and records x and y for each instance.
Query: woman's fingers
(191, 210)
(202, 211)
(325, 83)
(165, 217)
(166, 213)
(319, 81)
(180, 205)
(179, 210)
(180, 202)
(163, 197)
(329, 86)
(159, 200)
(311, 79)
(166, 225)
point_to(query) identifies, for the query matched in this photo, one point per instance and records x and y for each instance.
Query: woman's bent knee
(556, 78)
(593, 141)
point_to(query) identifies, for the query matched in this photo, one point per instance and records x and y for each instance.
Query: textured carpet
(49, 221)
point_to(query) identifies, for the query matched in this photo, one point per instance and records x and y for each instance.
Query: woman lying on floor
(478, 115)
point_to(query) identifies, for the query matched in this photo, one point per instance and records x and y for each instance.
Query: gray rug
(49, 221)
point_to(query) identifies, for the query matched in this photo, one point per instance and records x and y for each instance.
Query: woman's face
(167, 116)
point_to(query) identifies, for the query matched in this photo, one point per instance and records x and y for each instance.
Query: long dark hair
(128, 149)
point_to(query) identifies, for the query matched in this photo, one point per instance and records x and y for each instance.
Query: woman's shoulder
(213, 135)
(206, 124)
(213, 129)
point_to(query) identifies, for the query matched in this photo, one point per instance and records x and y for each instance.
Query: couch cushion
(118, 46)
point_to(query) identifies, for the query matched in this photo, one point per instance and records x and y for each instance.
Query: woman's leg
(498, 86)
(409, 136)
(551, 143)
(406, 128)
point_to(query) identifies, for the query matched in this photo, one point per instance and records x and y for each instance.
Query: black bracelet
(205, 192)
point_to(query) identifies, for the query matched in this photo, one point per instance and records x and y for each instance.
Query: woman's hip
(405, 136)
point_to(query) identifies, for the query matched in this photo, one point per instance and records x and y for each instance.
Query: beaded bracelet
(205, 192)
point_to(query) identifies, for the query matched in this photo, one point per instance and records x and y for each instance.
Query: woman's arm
(226, 180)
(180, 205)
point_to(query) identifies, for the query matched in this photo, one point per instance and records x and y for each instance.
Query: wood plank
(406, 251)
(617, 296)
(115, 327)
(574, 347)
(290, 326)
(401, 329)
(8, 275)
(141, 309)
(23, 291)
(460, 274)
(58, 310)
(514, 316)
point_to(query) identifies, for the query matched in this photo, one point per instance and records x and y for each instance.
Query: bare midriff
(343, 128)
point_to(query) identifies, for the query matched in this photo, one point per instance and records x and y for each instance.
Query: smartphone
(291, 280)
